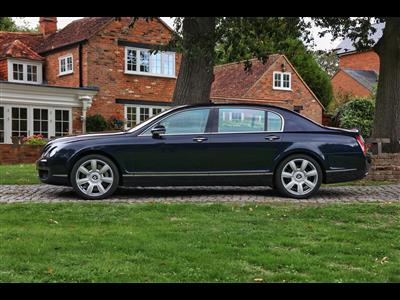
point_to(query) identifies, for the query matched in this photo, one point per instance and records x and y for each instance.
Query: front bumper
(47, 175)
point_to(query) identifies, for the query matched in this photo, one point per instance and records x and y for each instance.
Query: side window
(190, 121)
(240, 120)
(274, 122)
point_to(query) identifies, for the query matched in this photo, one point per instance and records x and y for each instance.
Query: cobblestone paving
(343, 194)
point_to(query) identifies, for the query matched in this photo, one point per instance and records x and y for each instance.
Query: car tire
(94, 177)
(298, 176)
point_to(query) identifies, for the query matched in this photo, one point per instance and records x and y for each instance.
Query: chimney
(48, 25)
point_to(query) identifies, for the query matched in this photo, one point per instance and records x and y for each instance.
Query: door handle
(200, 139)
(272, 137)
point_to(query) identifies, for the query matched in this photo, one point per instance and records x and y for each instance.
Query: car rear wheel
(94, 177)
(298, 176)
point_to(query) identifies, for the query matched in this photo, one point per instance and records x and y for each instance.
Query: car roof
(235, 104)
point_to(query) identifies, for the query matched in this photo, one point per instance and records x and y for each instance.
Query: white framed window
(24, 71)
(136, 114)
(66, 65)
(282, 81)
(142, 62)
(26, 120)
(62, 120)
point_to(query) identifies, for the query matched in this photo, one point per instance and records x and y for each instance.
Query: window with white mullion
(282, 80)
(66, 65)
(136, 114)
(142, 61)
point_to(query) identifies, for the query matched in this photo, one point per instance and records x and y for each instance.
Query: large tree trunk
(387, 112)
(196, 71)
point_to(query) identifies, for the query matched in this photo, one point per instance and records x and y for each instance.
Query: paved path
(48, 193)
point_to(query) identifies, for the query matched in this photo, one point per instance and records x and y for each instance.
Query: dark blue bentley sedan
(213, 144)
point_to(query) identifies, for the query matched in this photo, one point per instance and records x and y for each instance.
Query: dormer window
(66, 65)
(142, 62)
(24, 71)
(282, 81)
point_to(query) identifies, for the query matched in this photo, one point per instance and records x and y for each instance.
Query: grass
(27, 174)
(18, 174)
(95, 242)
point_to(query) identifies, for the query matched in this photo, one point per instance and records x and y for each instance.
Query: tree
(328, 61)
(387, 109)
(7, 24)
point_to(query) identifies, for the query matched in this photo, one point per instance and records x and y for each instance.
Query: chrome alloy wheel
(299, 176)
(94, 177)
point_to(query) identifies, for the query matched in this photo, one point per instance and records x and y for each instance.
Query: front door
(180, 151)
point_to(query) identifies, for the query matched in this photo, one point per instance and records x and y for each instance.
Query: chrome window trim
(233, 132)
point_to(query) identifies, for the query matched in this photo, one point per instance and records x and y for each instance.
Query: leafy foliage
(95, 123)
(327, 60)
(7, 24)
(358, 113)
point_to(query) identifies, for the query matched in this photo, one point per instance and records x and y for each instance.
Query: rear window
(248, 120)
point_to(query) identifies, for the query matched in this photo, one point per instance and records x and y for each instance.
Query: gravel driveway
(48, 193)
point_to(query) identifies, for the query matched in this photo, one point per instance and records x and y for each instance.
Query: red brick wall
(299, 95)
(385, 167)
(343, 84)
(76, 120)
(367, 60)
(19, 154)
(52, 69)
(105, 67)
(3, 69)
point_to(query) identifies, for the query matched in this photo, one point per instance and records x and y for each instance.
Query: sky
(324, 43)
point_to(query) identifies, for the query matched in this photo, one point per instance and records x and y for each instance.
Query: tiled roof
(367, 78)
(18, 49)
(232, 81)
(347, 45)
(32, 40)
(76, 31)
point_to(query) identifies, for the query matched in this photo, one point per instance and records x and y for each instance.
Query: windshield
(141, 125)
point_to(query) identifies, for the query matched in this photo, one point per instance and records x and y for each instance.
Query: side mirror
(157, 131)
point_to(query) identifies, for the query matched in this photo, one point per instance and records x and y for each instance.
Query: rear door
(246, 140)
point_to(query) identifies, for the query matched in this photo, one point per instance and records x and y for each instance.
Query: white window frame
(138, 106)
(65, 57)
(138, 72)
(51, 119)
(25, 63)
(281, 87)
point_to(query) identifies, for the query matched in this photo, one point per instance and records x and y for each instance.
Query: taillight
(361, 142)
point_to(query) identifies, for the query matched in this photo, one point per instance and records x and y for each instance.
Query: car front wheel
(298, 176)
(94, 177)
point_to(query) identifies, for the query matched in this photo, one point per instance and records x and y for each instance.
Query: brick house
(358, 70)
(276, 82)
(51, 80)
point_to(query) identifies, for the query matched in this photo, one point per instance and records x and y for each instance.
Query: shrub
(115, 123)
(96, 123)
(37, 139)
(357, 113)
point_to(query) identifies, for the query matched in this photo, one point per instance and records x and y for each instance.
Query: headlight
(52, 152)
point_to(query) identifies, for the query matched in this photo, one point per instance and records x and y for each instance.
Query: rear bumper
(46, 175)
(342, 175)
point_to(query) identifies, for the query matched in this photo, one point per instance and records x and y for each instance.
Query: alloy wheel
(299, 176)
(94, 177)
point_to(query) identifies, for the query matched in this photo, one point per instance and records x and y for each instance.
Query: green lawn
(94, 242)
(27, 174)
(18, 174)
